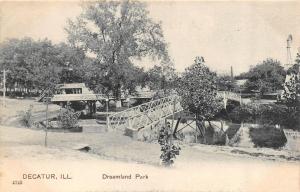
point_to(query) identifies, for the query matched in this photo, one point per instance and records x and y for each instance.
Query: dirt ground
(198, 167)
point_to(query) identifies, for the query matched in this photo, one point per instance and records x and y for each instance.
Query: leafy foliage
(198, 90)
(116, 32)
(73, 62)
(266, 76)
(26, 117)
(289, 95)
(37, 64)
(168, 148)
(245, 113)
(161, 77)
(267, 136)
(292, 85)
(68, 118)
(271, 114)
(292, 120)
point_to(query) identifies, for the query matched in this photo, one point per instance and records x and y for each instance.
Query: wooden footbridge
(227, 95)
(152, 112)
(145, 115)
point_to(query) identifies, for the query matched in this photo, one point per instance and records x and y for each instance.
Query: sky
(237, 34)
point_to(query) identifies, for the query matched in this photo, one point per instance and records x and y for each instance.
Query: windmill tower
(289, 61)
(290, 84)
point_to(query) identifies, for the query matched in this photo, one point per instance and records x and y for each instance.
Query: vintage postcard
(200, 96)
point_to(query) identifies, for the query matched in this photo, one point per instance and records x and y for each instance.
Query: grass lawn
(14, 107)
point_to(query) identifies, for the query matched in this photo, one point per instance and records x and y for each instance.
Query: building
(79, 94)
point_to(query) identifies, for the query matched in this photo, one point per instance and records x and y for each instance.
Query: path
(244, 137)
(203, 169)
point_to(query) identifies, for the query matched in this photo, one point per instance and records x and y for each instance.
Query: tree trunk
(210, 134)
(176, 127)
(118, 97)
(201, 127)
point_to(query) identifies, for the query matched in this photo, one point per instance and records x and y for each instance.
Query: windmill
(290, 84)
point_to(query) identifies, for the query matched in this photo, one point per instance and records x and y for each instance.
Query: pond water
(241, 135)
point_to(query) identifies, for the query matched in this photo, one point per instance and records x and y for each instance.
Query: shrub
(268, 114)
(68, 118)
(267, 136)
(26, 117)
(273, 114)
(168, 148)
(292, 120)
(244, 113)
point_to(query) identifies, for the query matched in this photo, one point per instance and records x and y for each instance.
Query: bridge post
(106, 104)
(224, 99)
(173, 112)
(94, 107)
(108, 122)
(107, 115)
(129, 123)
(225, 103)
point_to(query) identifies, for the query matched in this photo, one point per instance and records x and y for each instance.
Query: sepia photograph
(149, 95)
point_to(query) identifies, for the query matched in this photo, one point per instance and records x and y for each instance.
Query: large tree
(267, 76)
(198, 91)
(73, 62)
(31, 64)
(116, 32)
(38, 65)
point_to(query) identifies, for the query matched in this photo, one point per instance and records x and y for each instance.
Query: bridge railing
(92, 96)
(151, 112)
(230, 95)
(43, 94)
(293, 139)
(144, 115)
(78, 97)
